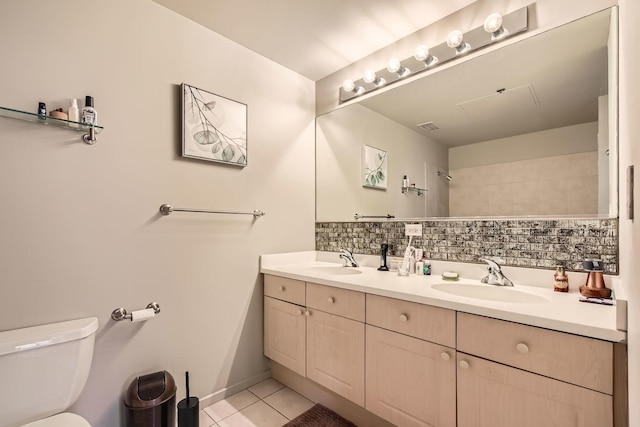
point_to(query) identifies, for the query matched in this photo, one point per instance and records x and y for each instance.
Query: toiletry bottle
(427, 268)
(89, 114)
(405, 182)
(74, 113)
(383, 257)
(560, 280)
(419, 267)
(42, 110)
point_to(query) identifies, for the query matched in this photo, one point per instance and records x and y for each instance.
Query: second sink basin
(490, 293)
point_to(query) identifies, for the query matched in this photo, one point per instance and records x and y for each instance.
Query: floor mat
(319, 416)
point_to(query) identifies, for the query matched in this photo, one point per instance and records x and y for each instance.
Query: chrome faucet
(347, 257)
(495, 276)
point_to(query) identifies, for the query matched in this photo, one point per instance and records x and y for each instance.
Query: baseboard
(233, 389)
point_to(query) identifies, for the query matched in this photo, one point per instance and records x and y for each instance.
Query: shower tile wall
(521, 243)
(559, 185)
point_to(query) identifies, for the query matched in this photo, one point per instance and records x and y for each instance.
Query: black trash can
(151, 401)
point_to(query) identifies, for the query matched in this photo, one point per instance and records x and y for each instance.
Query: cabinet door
(335, 354)
(495, 395)
(284, 334)
(410, 382)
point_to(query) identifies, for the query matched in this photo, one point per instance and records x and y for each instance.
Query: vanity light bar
(495, 29)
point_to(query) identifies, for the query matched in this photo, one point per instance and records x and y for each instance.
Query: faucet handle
(493, 263)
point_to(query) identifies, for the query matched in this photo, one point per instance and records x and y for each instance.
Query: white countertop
(554, 310)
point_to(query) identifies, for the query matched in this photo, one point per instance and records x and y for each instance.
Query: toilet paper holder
(122, 314)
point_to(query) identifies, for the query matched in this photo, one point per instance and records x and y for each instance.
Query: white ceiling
(315, 37)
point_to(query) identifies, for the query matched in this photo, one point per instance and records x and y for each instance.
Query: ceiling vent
(428, 126)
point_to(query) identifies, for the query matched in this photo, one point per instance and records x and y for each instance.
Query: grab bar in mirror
(387, 216)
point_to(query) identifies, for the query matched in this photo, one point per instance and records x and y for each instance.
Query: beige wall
(340, 136)
(80, 230)
(630, 155)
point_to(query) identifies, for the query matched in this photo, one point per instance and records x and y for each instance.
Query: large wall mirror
(528, 129)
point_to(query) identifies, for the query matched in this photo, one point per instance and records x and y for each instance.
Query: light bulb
(394, 65)
(370, 76)
(421, 53)
(348, 85)
(493, 23)
(454, 39)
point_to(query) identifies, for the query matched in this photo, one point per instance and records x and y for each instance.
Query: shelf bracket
(90, 138)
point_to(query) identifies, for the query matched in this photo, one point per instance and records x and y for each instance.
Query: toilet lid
(61, 420)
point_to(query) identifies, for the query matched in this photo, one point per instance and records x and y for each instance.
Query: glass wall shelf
(420, 191)
(89, 138)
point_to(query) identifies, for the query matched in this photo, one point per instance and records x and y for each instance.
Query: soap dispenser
(384, 248)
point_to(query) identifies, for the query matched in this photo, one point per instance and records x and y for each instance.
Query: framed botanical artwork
(214, 128)
(374, 165)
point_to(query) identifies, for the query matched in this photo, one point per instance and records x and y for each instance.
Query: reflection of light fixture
(370, 77)
(394, 66)
(349, 86)
(493, 25)
(422, 54)
(455, 39)
(397, 68)
(445, 175)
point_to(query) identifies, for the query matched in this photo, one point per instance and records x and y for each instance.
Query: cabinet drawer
(495, 395)
(342, 302)
(285, 289)
(583, 361)
(429, 323)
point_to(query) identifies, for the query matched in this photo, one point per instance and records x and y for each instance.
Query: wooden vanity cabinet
(318, 332)
(416, 365)
(410, 382)
(531, 377)
(285, 322)
(335, 340)
(494, 395)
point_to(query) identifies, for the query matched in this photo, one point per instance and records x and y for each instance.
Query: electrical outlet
(413, 230)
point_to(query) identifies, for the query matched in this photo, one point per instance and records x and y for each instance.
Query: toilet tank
(43, 369)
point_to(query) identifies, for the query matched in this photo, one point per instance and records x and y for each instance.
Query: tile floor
(267, 404)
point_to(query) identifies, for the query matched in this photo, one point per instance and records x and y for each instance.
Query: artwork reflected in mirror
(374, 165)
(524, 130)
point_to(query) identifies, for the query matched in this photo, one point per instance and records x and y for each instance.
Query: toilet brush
(188, 409)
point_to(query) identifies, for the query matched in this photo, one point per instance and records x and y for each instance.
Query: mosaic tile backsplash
(520, 243)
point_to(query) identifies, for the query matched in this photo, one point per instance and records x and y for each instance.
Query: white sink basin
(333, 270)
(490, 293)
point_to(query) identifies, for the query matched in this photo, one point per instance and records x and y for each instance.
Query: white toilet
(43, 369)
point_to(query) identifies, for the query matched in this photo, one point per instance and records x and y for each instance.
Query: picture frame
(214, 128)
(374, 167)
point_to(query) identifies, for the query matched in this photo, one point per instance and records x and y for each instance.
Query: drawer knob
(445, 356)
(464, 364)
(404, 317)
(299, 312)
(307, 313)
(281, 288)
(522, 348)
(331, 300)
